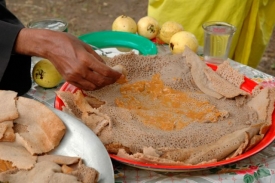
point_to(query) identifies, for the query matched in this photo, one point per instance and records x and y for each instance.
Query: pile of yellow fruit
(171, 33)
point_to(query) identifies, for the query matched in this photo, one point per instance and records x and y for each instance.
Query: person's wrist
(34, 42)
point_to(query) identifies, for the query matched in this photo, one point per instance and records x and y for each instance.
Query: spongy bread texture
(176, 74)
(229, 73)
(127, 128)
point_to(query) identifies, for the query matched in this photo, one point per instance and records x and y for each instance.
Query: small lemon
(125, 24)
(45, 74)
(168, 29)
(181, 39)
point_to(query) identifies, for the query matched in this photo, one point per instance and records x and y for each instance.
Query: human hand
(76, 61)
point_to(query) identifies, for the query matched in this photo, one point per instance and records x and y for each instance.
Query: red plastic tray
(248, 86)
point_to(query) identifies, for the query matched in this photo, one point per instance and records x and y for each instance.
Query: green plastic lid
(105, 39)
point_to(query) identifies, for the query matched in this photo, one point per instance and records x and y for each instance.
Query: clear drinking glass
(217, 41)
(49, 23)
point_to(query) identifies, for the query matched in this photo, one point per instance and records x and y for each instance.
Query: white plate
(80, 141)
(112, 52)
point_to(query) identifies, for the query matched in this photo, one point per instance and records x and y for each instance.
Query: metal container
(51, 24)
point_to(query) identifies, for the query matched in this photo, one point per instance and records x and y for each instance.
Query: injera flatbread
(39, 130)
(95, 119)
(8, 109)
(85, 174)
(59, 159)
(3, 127)
(43, 172)
(43, 124)
(262, 104)
(184, 73)
(199, 77)
(230, 74)
(221, 85)
(17, 154)
(82, 172)
(6, 131)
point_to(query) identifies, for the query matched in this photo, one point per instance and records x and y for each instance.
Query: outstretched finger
(98, 79)
(102, 69)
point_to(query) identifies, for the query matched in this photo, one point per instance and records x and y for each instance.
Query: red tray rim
(248, 86)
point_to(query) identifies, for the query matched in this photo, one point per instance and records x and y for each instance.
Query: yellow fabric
(254, 20)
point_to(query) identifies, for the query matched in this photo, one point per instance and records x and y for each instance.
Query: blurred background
(85, 16)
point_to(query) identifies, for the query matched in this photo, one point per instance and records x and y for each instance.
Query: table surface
(257, 168)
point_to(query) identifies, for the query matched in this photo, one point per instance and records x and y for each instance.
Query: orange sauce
(5, 165)
(122, 80)
(163, 107)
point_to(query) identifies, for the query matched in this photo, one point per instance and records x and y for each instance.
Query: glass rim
(206, 24)
(48, 20)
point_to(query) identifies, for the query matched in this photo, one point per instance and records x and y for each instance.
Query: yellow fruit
(168, 29)
(181, 39)
(45, 74)
(148, 27)
(125, 24)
